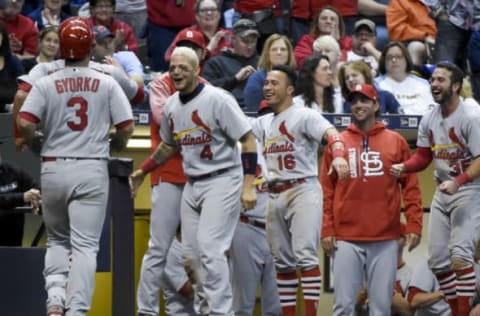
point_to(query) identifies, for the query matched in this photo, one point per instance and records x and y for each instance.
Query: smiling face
(278, 53)
(353, 77)
(208, 15)
(441, 85)
(327, 22)
(49, 44)
(103, 11)
(183, 72)
(363, 109)
(276, 89)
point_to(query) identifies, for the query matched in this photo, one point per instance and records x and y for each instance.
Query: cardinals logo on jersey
(283, 130)
(454, 138)
(273, 145)
(186, 137)
(198, 121)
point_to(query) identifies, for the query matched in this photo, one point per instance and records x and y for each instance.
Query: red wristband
(333, 139)
(338, 152)
(149, 165)
(462, 179)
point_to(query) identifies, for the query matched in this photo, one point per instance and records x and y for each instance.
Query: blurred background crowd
(390, 43)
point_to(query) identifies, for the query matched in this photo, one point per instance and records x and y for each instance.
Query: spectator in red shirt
(22, 31)
(165, 20)
(328, 21)
(102, 14)
(207, 15)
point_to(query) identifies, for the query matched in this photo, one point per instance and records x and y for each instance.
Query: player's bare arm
(249, 162)
(425, 299)
(413, 240)
(400, 305)
(26, 129)
(18, 101)
(337, 147)
(119, 139)
(451, 186)
(159, 156)
(475, 311)
(329, 245)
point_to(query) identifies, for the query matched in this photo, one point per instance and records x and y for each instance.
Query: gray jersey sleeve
(41, 70)
(35, 103)
(423, 278)
(315, 125)
(128, 86)
(423, 139)
(230, 117)
(165, 122)
(120, 108)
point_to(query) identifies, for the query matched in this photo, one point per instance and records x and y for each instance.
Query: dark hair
(289, 71)
(48, 29)
(456, 73)
(383, 58)
(314, 31)
(93, 3)
(5, 47)
(306, 84)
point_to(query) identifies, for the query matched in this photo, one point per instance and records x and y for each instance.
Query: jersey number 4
(206, 153)
(81, 108)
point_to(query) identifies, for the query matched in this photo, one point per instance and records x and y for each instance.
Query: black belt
(280, 186)
(247, 220)
(71, 158)
(209, 175)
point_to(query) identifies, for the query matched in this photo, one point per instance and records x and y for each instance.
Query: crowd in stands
(397, 39)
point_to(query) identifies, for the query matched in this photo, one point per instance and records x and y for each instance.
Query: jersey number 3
(81, 108)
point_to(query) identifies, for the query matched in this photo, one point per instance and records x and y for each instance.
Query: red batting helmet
(76, 38)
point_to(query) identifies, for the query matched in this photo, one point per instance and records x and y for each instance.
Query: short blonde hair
(188, 53)
(327, 41)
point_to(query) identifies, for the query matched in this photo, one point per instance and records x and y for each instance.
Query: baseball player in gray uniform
(167, 184)
(134, 92)
(450, 136)
(75, 108)
(290, 139)
(205, 123)
(251, 261)
(424, 294)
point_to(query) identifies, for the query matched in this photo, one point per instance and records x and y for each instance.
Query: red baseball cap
(365, 89)
(186, 35)
(193, 36)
